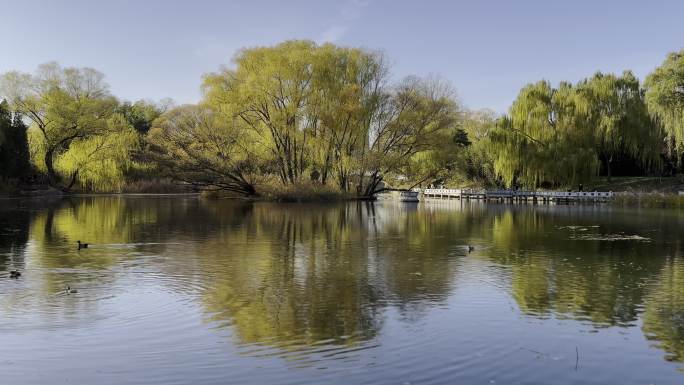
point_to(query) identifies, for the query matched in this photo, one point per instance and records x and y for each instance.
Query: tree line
(332, 117)
(565, 135)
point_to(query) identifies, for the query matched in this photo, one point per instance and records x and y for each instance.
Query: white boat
(408, 196)
(401, 196)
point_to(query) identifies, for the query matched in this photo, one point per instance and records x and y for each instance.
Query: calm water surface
(179, 290)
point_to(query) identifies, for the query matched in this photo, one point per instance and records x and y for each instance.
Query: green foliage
(349, 90)
(475, 163)
(324, 112)
(300, 113)
(268, 93)
(306, 191)
(14, 154)
(418, 123)
(296, 111)
(101, 161)
(75, 134)
(620, 118)
(544, 138)
(142, 113)
(194, 144)
(560, 136)
(665, 96)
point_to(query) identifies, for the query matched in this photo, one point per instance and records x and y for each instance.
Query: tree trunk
(609, 160)
(53, 177)
(372, 186)
(74, 176)
(250, 191)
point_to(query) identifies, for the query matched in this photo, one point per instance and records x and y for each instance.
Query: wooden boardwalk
(518, 196)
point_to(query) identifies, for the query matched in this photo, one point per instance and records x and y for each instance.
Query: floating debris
(578, 228)
(609, 237)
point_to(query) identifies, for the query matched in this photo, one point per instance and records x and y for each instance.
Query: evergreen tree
(14, 153)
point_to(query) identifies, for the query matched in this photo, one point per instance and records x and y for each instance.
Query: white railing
(443, 191)
(519, 193)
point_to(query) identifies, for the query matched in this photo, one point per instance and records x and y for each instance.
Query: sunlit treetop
(665, 95)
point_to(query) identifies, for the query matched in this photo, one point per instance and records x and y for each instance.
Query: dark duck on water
(14, 274)
(82, 245)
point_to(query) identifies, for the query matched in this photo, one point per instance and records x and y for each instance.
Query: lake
(181, 290)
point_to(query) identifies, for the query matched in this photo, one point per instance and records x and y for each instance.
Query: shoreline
(620, 199)
(62, 195)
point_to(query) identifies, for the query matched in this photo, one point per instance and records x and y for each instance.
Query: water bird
(82, 245)
(471, 248)
(69, 290)
(15, 274)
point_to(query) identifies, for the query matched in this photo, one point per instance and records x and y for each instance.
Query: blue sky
(487, 49)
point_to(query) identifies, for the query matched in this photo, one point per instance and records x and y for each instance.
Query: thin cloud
(351, 11)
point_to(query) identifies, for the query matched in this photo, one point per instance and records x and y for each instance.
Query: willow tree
(665, 97)
(476, 163)
(414, 134)
(196, 145)
(142, 113)
(544, 138)
(267, 92)
(620, 119)
(73, 127)
(362, 129)
(348, 87)
(327, 112)
(98, 162)
(560, 136)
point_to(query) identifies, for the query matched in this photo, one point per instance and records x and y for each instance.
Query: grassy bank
(645, 192)
(155, 186)
(648, 200)
(665, 185)
(629, 191)
(13, 188)
(302, 192)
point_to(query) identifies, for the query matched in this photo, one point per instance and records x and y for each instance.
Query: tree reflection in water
(310, 278)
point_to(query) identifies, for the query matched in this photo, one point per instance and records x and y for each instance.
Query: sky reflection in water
(183, 290)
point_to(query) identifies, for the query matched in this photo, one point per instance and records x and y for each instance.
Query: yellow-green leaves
(544, 138)
(198, 145)
(100, 161)
(327, 113)
(619, 117)
(665, 96)
(562, 136)
(74, 133)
